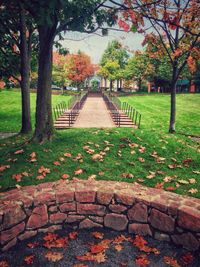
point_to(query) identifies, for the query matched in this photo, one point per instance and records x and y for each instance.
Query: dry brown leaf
(118, 247)
(68, 155)
(171, 261)
(19, 152)
(4, 167)
(192, 181)
(78, 172)
(97, 157)
(92, 177)
(141, 159)
(54, 256)
(193, 190)
(98, 235)
(65, 176)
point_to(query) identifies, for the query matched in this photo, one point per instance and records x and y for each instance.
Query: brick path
(87, 204)
(94, 114)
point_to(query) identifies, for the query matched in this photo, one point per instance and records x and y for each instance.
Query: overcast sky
(94, 45)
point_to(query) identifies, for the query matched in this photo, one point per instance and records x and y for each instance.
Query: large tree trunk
(173, 99)
(25, 76)
(44, 120)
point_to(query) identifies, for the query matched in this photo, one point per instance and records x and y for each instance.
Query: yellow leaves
(54, 256)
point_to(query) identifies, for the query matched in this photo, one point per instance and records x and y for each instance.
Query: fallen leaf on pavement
(54, 256)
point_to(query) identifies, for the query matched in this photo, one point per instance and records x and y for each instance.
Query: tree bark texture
(44, 120)
(25, 76)
(172, 123)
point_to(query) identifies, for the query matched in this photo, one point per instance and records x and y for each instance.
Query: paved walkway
(94, 114)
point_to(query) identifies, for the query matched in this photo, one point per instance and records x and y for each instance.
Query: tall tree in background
(118, 55)
(176, 23)
(16, 33)
(79, 68)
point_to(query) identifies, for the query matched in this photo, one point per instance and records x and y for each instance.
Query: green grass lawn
(155, 110)
(10, 109)
(149, 156)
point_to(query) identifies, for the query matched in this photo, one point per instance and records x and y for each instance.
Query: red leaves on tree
(122, 24)
(187, 258)
(73, 235)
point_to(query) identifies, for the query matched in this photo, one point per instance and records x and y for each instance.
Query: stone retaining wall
(82, 204)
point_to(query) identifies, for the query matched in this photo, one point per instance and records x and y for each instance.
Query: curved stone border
(84, 204)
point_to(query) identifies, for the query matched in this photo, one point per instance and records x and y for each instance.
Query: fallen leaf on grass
(127, 175)
(4, 167)
(142, 260)
(141, 159)
(4, 264)
(56, 163)
(19, 152)
(151, 175)
(65, 176)
(186, 162)
(172, 166)
(159, 185)
(40, 177)
(78, 172)
(167, 179)
(193, 190)
(92, 177)
(97, 157)
(98, 235)
(68, 155)
(42, 170)
(32, 157)
(171, 261)
(181, 181)
(54, 256)
(192, 181)
(29, 259)
(17, 177)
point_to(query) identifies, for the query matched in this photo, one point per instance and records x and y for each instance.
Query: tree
(59, 74)
(111, 71)
(139, 67)
(53, 17)
(15, 52)
(176, 24)
(118, 55)
(79, 68)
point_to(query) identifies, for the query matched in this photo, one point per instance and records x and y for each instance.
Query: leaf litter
(96, 248)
